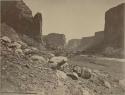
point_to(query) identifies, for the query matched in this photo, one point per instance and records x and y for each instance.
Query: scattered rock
(107, 84)
(73, 75)
(61, 74)
(86, 92)
(31, 50)
(64, 66)
(50, 55)
(27, 51)
(86, 73)
(35, 50)
(53, 65)
(58, 61)
(23, 45)
(15, 45)
(38, 58)
(77, 69)
(19, 51)
(6, 39)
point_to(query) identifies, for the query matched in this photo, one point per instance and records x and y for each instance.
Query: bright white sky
(74, 18)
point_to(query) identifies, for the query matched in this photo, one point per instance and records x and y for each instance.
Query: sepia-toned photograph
(62, 47)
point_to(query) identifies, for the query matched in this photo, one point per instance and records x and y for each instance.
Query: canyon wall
(54, 41)
(17, 15)
(114, 26)
(109, 42)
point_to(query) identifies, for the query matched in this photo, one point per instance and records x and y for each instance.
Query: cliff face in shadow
(114, 26)
(17, 15)
(87, 43)
(114, 31)
(54, 41)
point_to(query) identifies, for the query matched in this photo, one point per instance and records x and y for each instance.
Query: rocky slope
(25, 69)
(22, 74)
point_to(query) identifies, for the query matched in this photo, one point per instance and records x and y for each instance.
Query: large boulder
(86, 73)
(77, 69)
(5, 39)
(38, 58)
(58, 62)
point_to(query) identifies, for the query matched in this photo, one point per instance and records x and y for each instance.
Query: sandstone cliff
(114, 26)
(54, 41)
(17, 15)
(114, 31)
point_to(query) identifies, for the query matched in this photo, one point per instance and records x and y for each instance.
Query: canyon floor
(113, 66)
(25, 70)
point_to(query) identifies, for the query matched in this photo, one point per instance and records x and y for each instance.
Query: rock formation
(98, 43)
(114, 26)
(111, 40)
(37, 26)
(114, 30)
(80, 44)
(54, 41)
(16, 14)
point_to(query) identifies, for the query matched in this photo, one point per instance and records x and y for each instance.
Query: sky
(74, 18)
